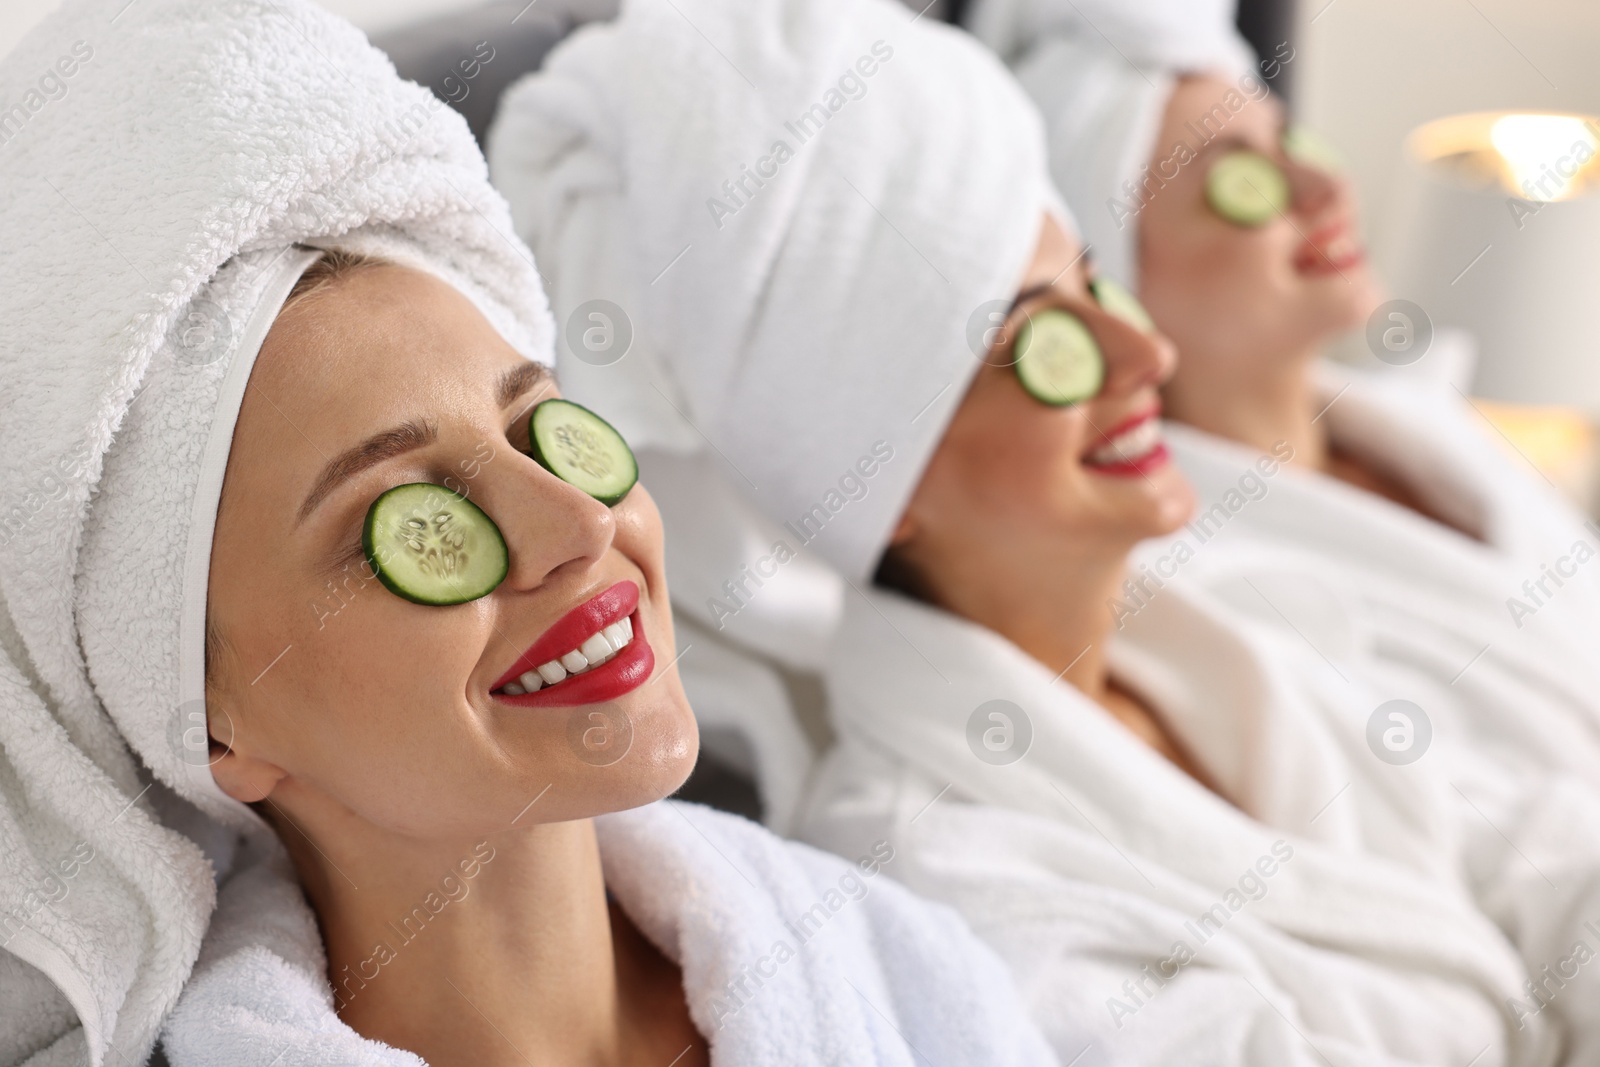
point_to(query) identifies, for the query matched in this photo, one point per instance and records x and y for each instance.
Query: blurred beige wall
(1375, 69)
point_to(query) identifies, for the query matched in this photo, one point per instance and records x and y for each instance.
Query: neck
(1263, 410)
(1066, 629)
(429, 940)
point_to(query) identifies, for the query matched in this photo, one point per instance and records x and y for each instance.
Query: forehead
(382, 331)
(1225, 102)
(371, 350)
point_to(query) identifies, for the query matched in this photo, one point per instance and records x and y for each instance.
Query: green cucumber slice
(581, 448)
(1246, 188)
(1114, 297)
(1058, 359)
(1310, 149)
(432, 545)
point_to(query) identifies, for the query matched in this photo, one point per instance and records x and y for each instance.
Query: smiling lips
(1328, 249)
(1131, 448)
(595, 652)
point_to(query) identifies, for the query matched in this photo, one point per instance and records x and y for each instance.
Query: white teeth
(598, 648)
(615, 637)
(1129, 446)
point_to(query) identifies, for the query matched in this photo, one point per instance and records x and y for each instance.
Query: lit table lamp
(1496, 231)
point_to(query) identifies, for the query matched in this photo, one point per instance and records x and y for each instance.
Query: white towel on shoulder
(789, 956)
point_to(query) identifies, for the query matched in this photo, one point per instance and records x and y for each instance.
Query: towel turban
(1102, 71)
(800, 208)
(161, 164)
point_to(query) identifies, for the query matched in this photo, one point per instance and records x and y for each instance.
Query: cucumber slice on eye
(432, 545)
(581, 448)
(1115, 298)
(1310, 149)
(1246, 188)
(1058, 359)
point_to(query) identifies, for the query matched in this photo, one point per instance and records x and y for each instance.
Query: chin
(1173, 501)
(1336, 304)
(665, 745)
(1158, 501)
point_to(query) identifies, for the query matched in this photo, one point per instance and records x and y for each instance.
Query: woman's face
(1017, 486)
(371, 705)
(1237, 299)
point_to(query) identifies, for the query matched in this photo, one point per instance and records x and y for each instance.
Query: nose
(1313, 191)
(551, 528)
(1135, 359)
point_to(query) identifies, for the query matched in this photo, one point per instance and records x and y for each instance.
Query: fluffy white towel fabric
(1508, 625)
(154, 185)
(1346, 911)
(801, 205)
(1101, 72)
(789, 956)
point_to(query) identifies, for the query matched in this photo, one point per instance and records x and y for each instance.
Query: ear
(246, 779)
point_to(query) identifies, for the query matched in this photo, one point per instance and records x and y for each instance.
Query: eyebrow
(408, 437)
(1225, 142)
(1035, 292)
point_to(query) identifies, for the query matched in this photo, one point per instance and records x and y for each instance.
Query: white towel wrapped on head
(151, 212)
(801, 206)
(1102, 73)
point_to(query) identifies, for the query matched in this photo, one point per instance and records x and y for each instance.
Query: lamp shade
(1497, 231)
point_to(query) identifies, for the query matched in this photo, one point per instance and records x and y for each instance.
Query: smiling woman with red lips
(1399, 511)
(1064, 491)
(414, 732)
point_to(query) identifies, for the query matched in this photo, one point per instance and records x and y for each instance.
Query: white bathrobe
(1433, 609)
(789, 956)
(1393, 925)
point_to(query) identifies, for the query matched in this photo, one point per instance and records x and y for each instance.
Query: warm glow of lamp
(1496, 231)
(1546, 155)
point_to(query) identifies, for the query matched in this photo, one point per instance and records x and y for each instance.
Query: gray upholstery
(445, 53)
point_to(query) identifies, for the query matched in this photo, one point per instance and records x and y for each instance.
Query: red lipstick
(623, 672)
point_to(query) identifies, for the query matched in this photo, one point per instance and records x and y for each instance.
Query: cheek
(1026, 455)
(1209, 284)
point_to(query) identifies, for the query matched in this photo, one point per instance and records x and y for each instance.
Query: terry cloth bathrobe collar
(152, 210)
(1088, 853)
(789, 956)
(1422, 599)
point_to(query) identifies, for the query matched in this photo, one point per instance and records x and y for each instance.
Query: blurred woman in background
(1398, 527)
(852, 278)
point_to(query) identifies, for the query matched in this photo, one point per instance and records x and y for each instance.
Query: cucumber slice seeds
(581, 448)
(1114, 297)
(1058, 360)
(431, 545)
(1246, 188)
